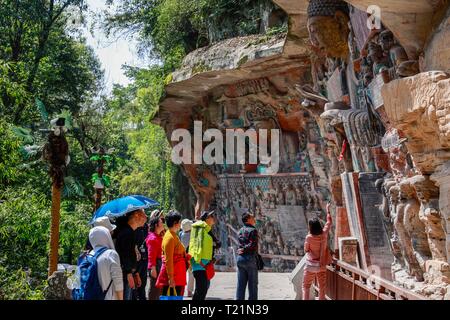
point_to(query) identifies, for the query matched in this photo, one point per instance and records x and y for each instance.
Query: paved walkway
(272, 286)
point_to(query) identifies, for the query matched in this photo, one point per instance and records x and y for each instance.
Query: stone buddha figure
(400, 63)
(366, 71)
(291, 196)
(380, 61)
(280, 195)
(328, 27)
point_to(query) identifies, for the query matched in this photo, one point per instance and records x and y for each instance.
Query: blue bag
(169, 297)
(90, 288)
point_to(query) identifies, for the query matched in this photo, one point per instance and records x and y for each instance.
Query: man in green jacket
(201, 249)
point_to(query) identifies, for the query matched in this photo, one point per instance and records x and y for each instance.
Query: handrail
(383, 289)
(233, 238)
(263, 175)
(281, 256)
(232, 228)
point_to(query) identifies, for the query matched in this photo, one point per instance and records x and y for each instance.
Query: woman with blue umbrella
(122, 206)
(130, 211)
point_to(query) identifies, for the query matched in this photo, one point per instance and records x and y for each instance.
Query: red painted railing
(346, 282)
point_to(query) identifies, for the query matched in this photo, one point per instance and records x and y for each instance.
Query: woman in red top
(154, 246)
(317, 256)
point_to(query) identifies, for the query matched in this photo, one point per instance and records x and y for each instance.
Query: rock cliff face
(363, 117)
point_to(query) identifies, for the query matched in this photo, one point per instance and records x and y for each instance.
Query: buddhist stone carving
(429, 215)
(291, 196)
(328, 26)
(399, 62)
(400, 223)
(340, 124)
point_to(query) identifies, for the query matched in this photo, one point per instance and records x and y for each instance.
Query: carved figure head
(328, 26)
(394, 193)
(386, 40)
(375, 52)
(406, 190)
(425, 188)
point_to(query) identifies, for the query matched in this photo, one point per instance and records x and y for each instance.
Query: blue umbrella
(121, 206)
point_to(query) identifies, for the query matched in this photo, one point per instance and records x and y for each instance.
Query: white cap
(186, 225)
(104, 222)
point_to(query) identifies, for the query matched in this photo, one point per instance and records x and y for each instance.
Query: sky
(112, 53)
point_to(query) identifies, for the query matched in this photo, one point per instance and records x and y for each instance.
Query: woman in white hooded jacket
(108, 264)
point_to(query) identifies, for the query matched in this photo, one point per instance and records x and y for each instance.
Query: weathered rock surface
(437, 51)
(57, 287)
(229, 54)
(420, 107)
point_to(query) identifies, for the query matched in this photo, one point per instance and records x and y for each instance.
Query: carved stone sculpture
(390, 201)
(280, 195)
(411, 231)
(402, 66)
(404, 237)
(366, 71)
(419, 107)
(300, 193)
(393, 192)
(291, 196)
(377, 57)
(270, 197)
(252, 199)
(428, 195)
(328, 26)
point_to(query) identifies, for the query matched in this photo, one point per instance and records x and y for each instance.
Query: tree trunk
(98, 199)
(54, 229)
(98, 192)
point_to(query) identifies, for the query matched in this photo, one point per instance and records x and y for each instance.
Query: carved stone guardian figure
(379, 60)
(399, 61)
(410, 259)
(428, 195)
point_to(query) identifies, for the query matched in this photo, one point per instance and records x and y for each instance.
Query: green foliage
(9, 153)
(72, 188)
(18, 285)
(46, 72)
(105, 179)
(24, 237)
(24, 230)
(42, 110)
(38, 55)
(180, 26)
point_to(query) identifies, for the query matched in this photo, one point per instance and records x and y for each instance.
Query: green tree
(9, 154)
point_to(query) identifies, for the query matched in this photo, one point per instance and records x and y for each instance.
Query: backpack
(90, 288)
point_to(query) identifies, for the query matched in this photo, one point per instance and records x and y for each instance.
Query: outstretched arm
(327, 226)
